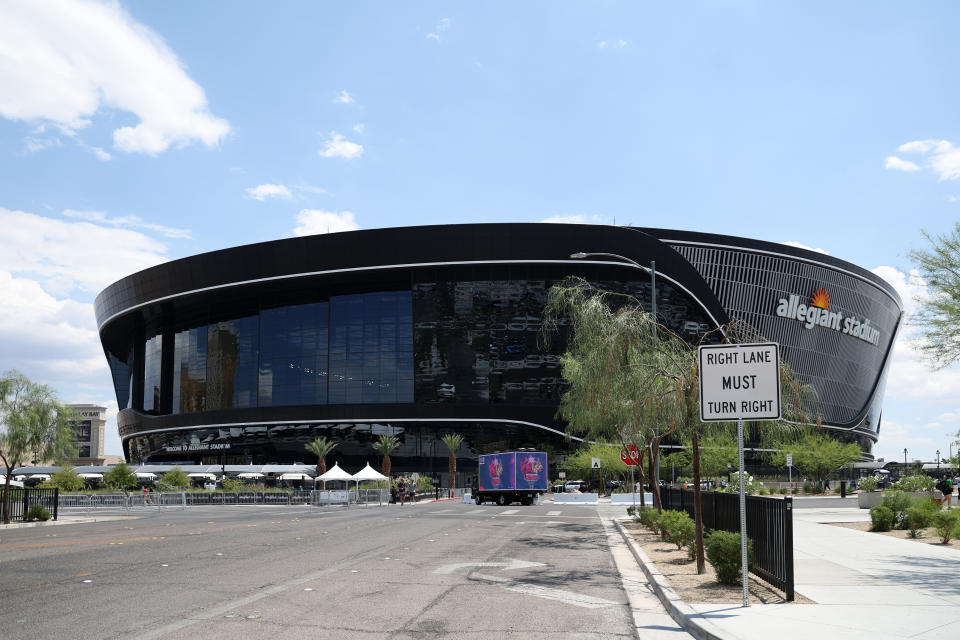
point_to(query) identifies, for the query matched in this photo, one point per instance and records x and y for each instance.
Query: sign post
(790, 470)
(740, 382)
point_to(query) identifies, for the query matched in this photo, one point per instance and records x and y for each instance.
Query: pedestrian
(948, 491)
(402, 490)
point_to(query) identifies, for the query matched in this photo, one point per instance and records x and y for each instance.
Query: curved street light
(580, 255)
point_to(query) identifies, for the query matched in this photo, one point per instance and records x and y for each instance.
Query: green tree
(32, 423)
(66, 479)
(816, 454)
(578, 464)
(453, 442)
(120, 476)
(176, 478)
(385, 445)
(321, 447)
(938, 314)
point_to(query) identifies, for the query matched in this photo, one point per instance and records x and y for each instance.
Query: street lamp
(938, 460)
(904, 459)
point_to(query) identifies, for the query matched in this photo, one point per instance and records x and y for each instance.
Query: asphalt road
(434, 570)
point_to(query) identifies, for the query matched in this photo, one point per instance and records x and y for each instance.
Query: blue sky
(139, 132)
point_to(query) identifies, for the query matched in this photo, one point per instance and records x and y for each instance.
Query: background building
(243, 355)
(89, 428)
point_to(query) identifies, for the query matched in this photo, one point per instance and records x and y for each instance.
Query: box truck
(511, 476)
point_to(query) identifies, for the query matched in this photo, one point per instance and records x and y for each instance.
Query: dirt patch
(927, 536)
(682, 575)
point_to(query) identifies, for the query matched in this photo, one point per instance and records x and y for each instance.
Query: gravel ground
(704, 588)
(927, 536)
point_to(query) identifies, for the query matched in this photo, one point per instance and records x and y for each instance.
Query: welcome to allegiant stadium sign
(818, 314)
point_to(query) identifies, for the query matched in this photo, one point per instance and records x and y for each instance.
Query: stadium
(241, 356)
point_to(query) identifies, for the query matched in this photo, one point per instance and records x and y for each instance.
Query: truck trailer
(511, 476)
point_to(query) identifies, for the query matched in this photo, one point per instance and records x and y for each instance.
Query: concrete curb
(682, 613)
(64, 521)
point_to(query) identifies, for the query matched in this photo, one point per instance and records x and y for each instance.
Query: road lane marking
(512, 564)
(62, 543)
(567, 597)
(509, 513)
(443, 511)
(554, 513)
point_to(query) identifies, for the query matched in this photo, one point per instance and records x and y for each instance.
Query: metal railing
(769, 526)
(22, 498)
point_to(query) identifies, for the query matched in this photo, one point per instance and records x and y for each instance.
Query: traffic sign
(630, 455)
(594, 463)
(789, 459)
(739, 382)
(562, 475)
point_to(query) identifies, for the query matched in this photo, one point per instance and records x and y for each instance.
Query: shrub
(796, 491)
(120, 476)
(36, 512)
(631, 511)
(233, 485)
(919, 516)
(915, 483)
(807, 487)
(751, 486)
(66, 480)
(898, 503)
(648, 518)
(836, 489)
(723, 553)
(677, 527)
(868, 484)
(946, 524)
(783, 490)
(176, 478)
(881, 518)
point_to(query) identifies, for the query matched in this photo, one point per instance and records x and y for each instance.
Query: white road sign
(594, 463)
(789, 459)
(739, 382)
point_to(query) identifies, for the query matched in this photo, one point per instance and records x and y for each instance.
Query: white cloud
(794, 243)
(910, 286)
(314, 221)
(897, 164)
(441, 26)
(306, 188)
(339, 147)
(62, 61)
(65, 255)
(128, 221)
(33, 145)
(578, 218)
(612, 44)
(941, 157)
(343, 98)
(103, 155)
(358, 128)
(264, 191)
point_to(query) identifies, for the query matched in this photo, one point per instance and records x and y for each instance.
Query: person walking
(402, 490)
(948, 491)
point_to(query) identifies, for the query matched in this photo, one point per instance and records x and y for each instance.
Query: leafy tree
(815, 454)
(632, 378)
(321, 447)
(66, 480)
(939, 312)
(120, 476)
(578, 464)
(176, 478)
(385, 445)
(32, 422)
(453, 442)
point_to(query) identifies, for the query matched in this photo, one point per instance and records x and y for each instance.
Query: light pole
(938, 460)
(580, 255)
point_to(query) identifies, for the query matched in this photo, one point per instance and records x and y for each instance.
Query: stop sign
(630, 455)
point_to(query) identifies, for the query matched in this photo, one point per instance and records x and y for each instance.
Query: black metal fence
(769, 526)
(21, 498)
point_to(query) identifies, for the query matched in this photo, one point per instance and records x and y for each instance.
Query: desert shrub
(919, 516)
(807, 487)
(868, 484)
(677, 527)
(946, 524)
(836, 489)
(648, 518)
(898, 503)
(750, 486)
(631, 511)
(723, 553)
(66, 480)
(36, 512)
(915, 483)
(783, 490)
(881, 518)
(120, 476)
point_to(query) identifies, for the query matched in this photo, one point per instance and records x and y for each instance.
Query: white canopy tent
(204, 476)
(336, 473)
(250, 475)
(294, 476)
(368, 473)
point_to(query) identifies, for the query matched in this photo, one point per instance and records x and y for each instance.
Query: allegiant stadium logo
(817, 314)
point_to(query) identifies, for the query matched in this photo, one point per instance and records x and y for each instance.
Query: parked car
(210, 486)
(575, 485)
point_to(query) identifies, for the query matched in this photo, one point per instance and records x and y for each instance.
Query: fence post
(26, 502)
(788, 544)
(56, 501)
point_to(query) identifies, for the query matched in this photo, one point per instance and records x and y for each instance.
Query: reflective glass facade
(151, 373)
(294, 355)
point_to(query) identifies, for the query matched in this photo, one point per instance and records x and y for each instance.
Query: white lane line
(554, 513)
(508, 513)
(442, 511)
(567, 597)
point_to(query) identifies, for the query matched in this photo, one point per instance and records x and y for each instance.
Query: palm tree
(453, 441)
(321, 447)
(386, 445)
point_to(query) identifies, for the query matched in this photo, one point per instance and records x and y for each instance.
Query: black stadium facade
(245, 354)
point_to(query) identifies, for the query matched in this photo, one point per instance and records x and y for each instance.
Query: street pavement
(433, 570)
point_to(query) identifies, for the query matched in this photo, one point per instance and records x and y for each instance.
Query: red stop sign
(630, 455)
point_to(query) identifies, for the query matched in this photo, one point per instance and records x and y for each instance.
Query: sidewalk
(868, 586)
(63, 519)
